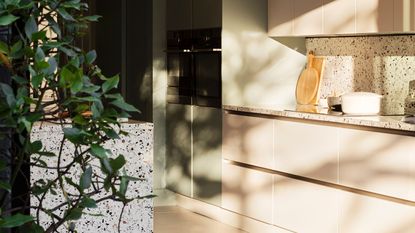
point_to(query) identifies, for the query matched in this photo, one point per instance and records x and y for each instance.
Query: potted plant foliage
(53, 80)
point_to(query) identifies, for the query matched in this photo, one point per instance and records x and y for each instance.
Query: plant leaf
(4, 48)
(117, 163)
(54, 25)
(36, 81)
(52, 65)
(98, 151)
(35, 146)
(86, 177)
(124, 106)
(106, 166)
(92, 18)
(39, 55)
(15, 220)
(74, 135)
(110, 83)
(7, 19)
(30, 27)
(74, 214)
(123, 186)
(88, 203)
(90, 57)
(72, 183)
(8, 93)
(62, 12)
(5, 186)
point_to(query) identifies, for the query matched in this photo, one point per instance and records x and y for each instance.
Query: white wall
(256, 70)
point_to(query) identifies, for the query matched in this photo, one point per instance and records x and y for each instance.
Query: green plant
(42, 59)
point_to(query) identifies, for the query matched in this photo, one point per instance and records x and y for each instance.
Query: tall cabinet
(194, 130)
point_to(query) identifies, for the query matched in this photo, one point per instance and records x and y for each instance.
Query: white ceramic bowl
(361, 103)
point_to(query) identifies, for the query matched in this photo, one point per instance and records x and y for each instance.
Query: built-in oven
(194, 67)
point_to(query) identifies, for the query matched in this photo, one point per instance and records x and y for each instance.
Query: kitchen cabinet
(178, 148)
(308, 17)
(404, 15)
(178, 14)
(206, 14)
(377, 162)
(247, 192)
(248, 140)
(193, 14)
(280, 17)
(339, 16)
(362, 214)
(373, 16)
(207, 154)
(328, 17)
(193, 151)
(306, 149)
(304, 207)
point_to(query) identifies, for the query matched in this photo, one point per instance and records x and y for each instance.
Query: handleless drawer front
(377, 162)
(247, 192)
(363, 214)
(304, 207)
(248, 140)
(307, 150)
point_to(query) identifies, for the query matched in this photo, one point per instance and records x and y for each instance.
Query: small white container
(361, 103)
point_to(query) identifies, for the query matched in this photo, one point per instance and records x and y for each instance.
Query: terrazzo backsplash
(380, 64)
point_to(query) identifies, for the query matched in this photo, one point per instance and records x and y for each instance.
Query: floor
(173, 219)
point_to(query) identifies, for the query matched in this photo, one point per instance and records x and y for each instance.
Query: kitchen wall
(380, 64)
(257, 70)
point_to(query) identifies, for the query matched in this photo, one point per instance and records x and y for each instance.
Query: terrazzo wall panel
(380, 64)
(137, 148)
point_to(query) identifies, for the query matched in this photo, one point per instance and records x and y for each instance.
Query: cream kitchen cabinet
(306, 149)
(247, 192)
(373, 16)
(377, 162)
(304, 207)
(295, 17)
(280, 17)
(332, 17)
(404, 15)
(339, 16)
(248, 140)
(362, 214)
(308, 17)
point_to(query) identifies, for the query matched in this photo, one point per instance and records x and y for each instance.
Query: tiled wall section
(380, 64)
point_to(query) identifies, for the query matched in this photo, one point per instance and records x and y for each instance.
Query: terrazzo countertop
(384, 122)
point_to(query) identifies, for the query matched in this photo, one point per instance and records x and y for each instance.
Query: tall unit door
(207, 154)
(206, 14)
(179, 14)
(178, 148)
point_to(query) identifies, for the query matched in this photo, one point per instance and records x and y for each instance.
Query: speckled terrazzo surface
(385, 122)
(137, 148)
(380, 64)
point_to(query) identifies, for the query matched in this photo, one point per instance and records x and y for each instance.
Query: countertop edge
(381, 122)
